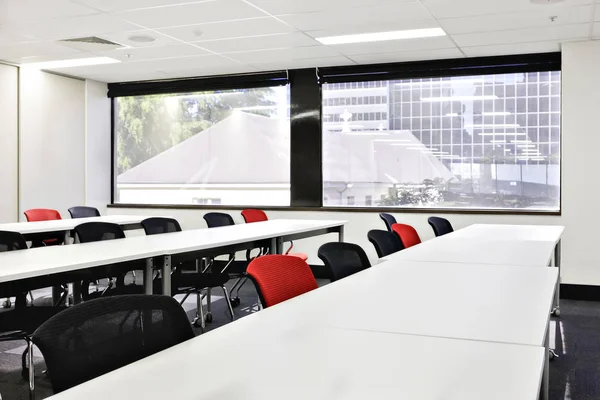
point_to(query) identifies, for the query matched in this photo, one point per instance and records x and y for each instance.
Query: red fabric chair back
(279, 278)
(41, 214)
(407, 234)
(252, 215)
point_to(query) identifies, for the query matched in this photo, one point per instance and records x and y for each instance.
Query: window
(229, 147)
(466, 142)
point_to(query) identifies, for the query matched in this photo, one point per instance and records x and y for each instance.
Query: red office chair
(407, 234)
(279, 278)
(252, 215)
(45, 214)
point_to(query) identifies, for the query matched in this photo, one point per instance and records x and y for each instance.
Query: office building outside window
(468, 142)
(208, 148)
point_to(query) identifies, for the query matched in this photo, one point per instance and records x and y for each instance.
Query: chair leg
(199, 312)
(244, 280)
(228, 300)
(31, 370)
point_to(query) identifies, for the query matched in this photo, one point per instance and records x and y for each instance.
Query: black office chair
(102, 335)
(83, 212)
(99, 231)
(343, 259)
(186, 283)
(235, 269)
(385, 242)
(21, 321)
(388, 219)
(440, 226)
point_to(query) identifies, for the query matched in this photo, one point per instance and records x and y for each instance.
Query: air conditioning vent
(90, 43)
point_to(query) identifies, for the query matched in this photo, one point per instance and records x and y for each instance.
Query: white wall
(52, 141)
(9, 95)
(98, 146)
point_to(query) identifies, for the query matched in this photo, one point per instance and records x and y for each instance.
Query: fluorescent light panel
(382, 36)
(77, 62)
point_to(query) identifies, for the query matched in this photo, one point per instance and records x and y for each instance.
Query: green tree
(149, 125)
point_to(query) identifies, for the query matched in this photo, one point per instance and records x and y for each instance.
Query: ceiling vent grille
(90, 43)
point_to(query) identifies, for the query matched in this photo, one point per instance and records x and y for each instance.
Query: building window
(468, 142)
(227, 147)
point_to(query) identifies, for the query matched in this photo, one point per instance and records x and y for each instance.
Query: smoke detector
(546, 1)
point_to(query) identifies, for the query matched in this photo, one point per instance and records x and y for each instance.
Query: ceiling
(196, 38)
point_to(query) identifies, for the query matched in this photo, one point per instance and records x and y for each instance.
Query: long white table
(198, 243)
(127, 222)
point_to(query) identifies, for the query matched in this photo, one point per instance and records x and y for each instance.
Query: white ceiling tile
(8, 38)
(407, 56)
(123, 5)
(550, 33)
(229, 29)
(278, 41)
(36, 10)
(303, 63)
(154, 52)
(596, 30)
(516, 48)
(392, 46)
(397, 14)
(465, 8)
(277, 55)
(279, 7)
(123, 38)
(75, 27)
(193, 13)
(597, 12)
(517, 20)
(21, 52)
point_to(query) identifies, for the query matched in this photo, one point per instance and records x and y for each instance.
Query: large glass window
(208, 148)
(469, 142)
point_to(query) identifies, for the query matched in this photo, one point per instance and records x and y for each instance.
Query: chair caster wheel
(7, 303)
(553, 355)
(197, 323)
(556, 312)
(208, 318)
(235, 302)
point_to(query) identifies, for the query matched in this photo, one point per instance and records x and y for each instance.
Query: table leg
(341, 233)
(166, 275)
(279, 246)
(273, 246)
(208, 295)
(557, 262)
(76, 292)
(148, 271)
(545, 387)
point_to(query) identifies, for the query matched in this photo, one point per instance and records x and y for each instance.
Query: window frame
(306, 116)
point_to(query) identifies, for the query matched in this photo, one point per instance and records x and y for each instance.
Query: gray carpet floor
(575, 336)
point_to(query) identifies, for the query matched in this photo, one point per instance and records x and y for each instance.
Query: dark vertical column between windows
(306, 172)
(113, 151)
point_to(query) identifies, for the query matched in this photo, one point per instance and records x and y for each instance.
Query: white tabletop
(478, 250)
(322, 364)
(499, 232)
(57, 259)
(460, 301)
(68, 224)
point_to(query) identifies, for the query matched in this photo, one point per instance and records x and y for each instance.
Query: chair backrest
(158, 225)
(99, 336)
(407, 234)
(10, 241)
(97, 231)
(388, 219)
(440, 226)
(385, 242)
(216, 219)
(41, 214)
(83, 212)
(343, 259)
(253, 215)
(279, 278)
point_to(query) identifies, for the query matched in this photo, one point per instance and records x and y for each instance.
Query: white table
(271, 362)
(201, 242)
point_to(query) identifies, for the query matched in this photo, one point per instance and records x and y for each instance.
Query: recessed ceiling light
(382, 36)
(141, 38)
(77, 62)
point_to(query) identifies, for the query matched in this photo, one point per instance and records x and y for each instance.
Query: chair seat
(301, 256)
